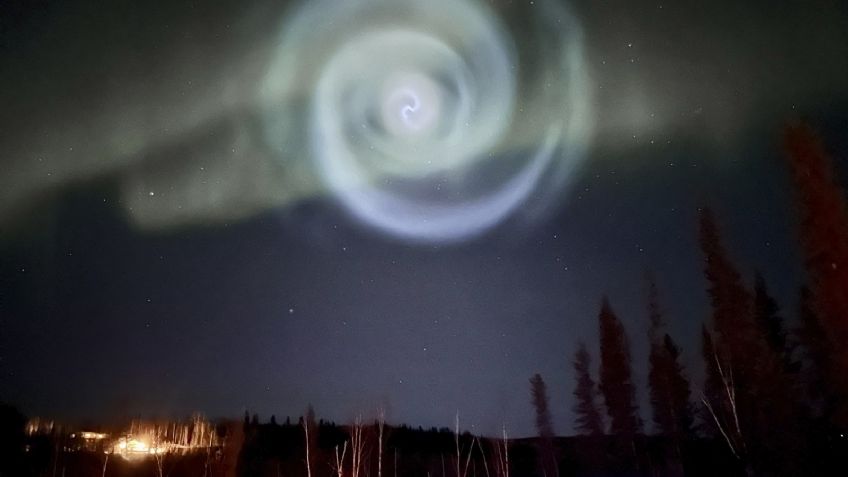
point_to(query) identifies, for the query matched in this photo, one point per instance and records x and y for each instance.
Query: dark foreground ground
(251, 449)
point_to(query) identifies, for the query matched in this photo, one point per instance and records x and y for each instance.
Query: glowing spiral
(428, 119)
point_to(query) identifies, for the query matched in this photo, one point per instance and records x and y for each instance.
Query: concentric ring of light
(404, 103)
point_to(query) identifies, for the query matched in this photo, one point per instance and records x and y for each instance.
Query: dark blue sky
(299, 304)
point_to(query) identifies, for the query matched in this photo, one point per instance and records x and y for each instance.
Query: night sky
(171, 241)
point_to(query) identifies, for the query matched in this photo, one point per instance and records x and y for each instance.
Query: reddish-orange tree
(823, 230)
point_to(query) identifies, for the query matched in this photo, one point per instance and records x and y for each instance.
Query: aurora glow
(409, 101)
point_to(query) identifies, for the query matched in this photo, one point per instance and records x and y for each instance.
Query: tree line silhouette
(775, 397)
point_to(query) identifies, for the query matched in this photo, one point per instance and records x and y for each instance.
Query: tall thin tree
(730, 348)
(544, 426)
(588, 419)
(747, 386)
(616, 384)
(667, 381)
(823, 213)
(616, 381)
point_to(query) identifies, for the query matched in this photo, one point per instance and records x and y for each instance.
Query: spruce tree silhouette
(616, 383)
(667, 382)
(547, 458)
(588, 419)
(823, 232)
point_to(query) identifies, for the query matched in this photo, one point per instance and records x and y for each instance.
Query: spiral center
(411, 105)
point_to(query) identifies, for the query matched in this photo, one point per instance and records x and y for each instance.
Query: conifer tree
(544, 426)
(732, 319)
(823, 213)
(588, 420)
(667, 382)
(679, 392)
(747, 388)
(616, 383)
(729, 346)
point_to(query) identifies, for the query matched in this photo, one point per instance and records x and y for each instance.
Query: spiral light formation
(431, 120)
